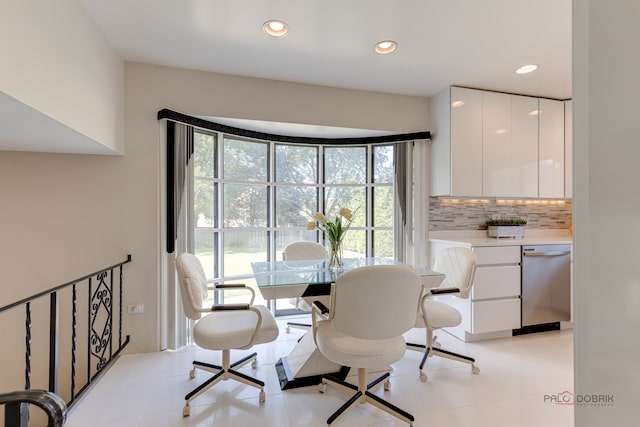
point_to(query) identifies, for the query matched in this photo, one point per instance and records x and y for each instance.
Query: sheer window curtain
(411, 202)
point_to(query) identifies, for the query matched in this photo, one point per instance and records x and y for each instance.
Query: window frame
(220, 230)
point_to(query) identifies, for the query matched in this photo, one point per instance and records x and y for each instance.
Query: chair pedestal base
(434, 350)
(222, 373)
(363, 395)
(297, 325)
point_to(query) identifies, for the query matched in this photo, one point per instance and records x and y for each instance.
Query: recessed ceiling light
(526, 69)
(386, 46)
(275, 28)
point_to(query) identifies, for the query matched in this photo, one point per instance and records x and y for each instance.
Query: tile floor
(516, 373)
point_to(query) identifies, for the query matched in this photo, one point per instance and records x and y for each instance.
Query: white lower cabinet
(493, 316)
(495, 297)
(493, 310)
(496, 282)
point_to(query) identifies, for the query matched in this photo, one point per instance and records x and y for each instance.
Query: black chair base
(435, 350)
(303, 326)
(363, 395)
(222, 373)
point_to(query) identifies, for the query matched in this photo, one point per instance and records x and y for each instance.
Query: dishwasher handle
(547, 254)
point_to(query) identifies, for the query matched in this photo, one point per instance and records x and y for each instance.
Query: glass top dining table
(311, 280)
(285, 279)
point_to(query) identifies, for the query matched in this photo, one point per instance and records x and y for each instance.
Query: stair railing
(100, 288)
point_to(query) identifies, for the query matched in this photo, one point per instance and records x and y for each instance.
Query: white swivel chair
(371, 307)
(296, 251)
(459, 266)
(225, 327)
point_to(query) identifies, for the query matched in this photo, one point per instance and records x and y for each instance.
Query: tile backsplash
(465, 214)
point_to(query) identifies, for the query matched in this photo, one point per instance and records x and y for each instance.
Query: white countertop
(479, 238)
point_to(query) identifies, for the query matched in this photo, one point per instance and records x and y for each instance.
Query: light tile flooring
(516, 373)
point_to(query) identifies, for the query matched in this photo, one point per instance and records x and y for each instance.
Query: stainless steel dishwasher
(546, 284)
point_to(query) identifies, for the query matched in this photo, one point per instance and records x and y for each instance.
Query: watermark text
(566, 398)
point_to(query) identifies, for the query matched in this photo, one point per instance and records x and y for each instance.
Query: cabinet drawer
(493, 316)
(496, 282)
(488, 255)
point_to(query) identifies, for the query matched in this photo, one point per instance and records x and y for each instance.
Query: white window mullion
(271, 203)
(220, 210)
(369, 203)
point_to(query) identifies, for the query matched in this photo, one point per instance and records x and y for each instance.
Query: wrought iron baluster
(100, 318)
(27, 358)
(89, 335)
(53, 342)
(74, 323)
(101, 327)
(16, 413)
(111, 317)
(120, 309)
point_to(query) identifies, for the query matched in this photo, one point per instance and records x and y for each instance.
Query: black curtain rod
(217, 127)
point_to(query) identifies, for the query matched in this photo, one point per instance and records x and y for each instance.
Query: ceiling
(475, 43)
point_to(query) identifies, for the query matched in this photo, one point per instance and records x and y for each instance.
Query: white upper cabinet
(456, 149)
(524, 146)
(510, 145)
(466, 142)
(551, 149)
(496, 144)
(568, 147)
(490, 144)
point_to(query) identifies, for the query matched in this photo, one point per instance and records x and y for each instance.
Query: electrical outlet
(135, 309)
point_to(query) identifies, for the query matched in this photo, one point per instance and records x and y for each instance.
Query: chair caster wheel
(186, 411)
(262, 397)
(387, 385)
(437, 344)
(192, 373)
(475, 370)
(254, 363)
(322, 387)
(423, 377)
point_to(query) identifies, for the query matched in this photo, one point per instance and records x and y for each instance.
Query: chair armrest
(235, 286)
(440, 291)
(435, 292)
(323, 308)
(318, 311)
(230, 286)
(227, 307)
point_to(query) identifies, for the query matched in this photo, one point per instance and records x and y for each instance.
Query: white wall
(209, 94)
(56, 61)
(151, 88)
(64, 216)
(607, 208)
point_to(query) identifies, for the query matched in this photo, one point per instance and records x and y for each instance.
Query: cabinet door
(496, 282)
(466, 142)
(568, 146)
(493, 316)
(496, 140)
(493, 255)
(551, 148)
(524, 147)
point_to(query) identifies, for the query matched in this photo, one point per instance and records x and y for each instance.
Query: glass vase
(335, 255)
